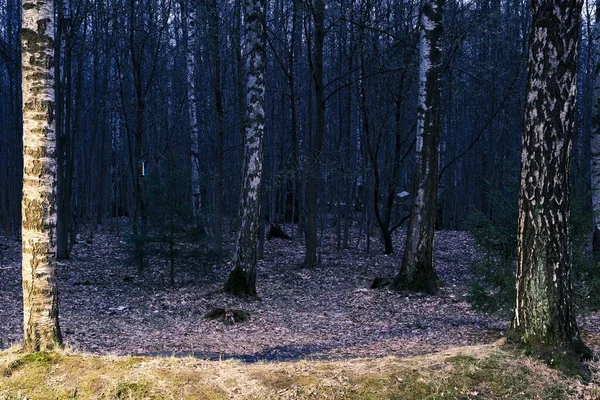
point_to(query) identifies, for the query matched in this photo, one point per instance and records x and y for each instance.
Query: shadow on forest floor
(324, 313)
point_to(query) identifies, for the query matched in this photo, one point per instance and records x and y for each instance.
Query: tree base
(275, 231)
(422, 282)
(240, 285)
(596, 242)
(381, 282)
(568, 360)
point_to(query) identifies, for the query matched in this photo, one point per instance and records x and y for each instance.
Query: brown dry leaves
(324, 313)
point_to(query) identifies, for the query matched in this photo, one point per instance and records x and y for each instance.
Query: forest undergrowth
(329, 313)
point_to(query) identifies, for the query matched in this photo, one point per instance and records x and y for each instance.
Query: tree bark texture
(40, 291)
(543, 315)
(417, 272)
(242, 280)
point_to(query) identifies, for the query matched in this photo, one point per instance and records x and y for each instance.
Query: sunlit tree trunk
(544, 316)
(417, 272)
(40, 291)
(242, 280)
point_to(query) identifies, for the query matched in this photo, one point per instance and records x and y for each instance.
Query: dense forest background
(123, 112)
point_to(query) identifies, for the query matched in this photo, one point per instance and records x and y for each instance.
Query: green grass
(481, 372)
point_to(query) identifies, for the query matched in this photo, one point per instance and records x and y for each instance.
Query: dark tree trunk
(417, 272)
(240, 100)
(218, 224)
(62, 222)
(310, 260)
(595, 138)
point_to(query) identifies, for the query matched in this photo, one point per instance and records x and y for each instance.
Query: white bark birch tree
(544, 318)
(192, 111)
(417, 272)
(242, 279)
(40, 291)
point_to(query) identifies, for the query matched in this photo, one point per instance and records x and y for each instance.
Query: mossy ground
(480, 372)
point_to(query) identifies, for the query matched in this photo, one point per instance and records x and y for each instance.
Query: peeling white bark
(543, 312)
(40, 292)
(242, 280)
(417, 270)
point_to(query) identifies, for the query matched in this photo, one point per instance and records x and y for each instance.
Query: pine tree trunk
(417, 272)
(544, 318)
(40, 291)
(242, 280)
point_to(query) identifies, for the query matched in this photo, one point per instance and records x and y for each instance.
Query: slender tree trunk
(544, 317)
(67, 137)
(417, 272)
(62, 238)
(242, 280)
(105, 128)
(312, 184)
(40, 289)
(383, 221)
(291, 75)
(192, 112)
(239, 87)
(595, 139)
(218, 225)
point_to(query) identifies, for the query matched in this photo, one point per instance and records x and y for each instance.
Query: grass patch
(482, 372)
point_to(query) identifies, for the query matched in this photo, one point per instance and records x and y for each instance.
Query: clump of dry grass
(482, 372)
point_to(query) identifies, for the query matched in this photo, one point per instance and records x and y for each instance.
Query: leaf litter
(107, 306)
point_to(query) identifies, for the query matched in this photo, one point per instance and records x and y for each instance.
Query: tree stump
(381, 282)
(228, 315)
(275, 231)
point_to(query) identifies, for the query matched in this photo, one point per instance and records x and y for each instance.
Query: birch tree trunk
(417, 272)
(544, 317)
(242, 280)
(192, 112)
(595, 139)
(40, 291)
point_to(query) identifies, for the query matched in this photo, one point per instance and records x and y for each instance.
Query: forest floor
(107, 306)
